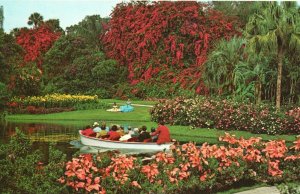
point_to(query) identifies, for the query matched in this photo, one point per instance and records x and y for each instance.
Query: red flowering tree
(36, 42)
(165, 40)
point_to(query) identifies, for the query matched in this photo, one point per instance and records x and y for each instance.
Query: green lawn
(123, 102)
(140, 116)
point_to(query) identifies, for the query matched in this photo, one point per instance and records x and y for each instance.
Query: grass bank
(140, 116)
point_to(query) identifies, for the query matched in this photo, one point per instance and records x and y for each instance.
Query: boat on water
(104, 143)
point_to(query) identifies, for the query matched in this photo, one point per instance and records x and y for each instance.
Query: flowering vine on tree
(36, 42)
(166, 40)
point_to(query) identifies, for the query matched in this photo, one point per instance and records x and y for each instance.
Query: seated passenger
(154, 138)
(121, 130)
(134, 135)
(102, 133)
(96, 127)
(88, 131)
(125, 137)
(144, 135)
(162, 132)
(113, 134)
(130, 131)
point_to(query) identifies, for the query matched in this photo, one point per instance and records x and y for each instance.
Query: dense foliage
(24, 171)
(228, 115)
(160, 50)
(275, 29)
(165, 41)
(76, 64)
(187, 168)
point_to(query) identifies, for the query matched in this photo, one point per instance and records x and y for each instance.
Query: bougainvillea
(165, 40)
(36, 41)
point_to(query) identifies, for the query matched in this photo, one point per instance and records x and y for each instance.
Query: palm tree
(275, 28)
(219, 67)
(54, 25)
(90, 28)
(35, 19)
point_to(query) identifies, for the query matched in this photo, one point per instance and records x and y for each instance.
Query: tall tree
(222, 61)
(275, 28)
(10, 56)
(35, 19)
(54, 25)
(90, 28)
(240, 9)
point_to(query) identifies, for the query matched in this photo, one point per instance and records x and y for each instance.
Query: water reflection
(66, 137)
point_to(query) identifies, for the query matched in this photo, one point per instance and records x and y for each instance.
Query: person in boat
(121, 130)
(144, 135)
(163, 133)
(134, 135)
(154, 138)
(127, 136)
(127, 107)
(96, 127)
(113, 134)
(103, 132)
(88, 131)
(129, 130)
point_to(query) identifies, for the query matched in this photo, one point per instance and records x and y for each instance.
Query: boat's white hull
(92, 141)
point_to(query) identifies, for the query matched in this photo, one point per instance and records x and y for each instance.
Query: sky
(69, 12)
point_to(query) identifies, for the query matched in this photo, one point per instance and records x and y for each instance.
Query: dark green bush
(24, 171)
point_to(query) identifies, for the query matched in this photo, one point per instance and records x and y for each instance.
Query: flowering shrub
(224, 114)
(187, 168)
(165, 42)
(55, 100)
(54, 103)
(36, 42)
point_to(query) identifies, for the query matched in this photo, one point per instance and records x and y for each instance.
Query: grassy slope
(140, 116)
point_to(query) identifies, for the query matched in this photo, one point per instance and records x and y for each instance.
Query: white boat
(104, 143)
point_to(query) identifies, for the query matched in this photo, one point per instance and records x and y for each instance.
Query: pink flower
(275, 149)
(297, 144)
(93, 187)
(61, 180)
(97, 180)
(136, 184)
(273, 168)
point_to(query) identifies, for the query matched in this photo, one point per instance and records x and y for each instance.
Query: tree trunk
(279, 77)
(258, 92)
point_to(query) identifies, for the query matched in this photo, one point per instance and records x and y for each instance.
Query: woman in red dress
(163, 133)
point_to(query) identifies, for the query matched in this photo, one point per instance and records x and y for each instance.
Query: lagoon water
(64, 136)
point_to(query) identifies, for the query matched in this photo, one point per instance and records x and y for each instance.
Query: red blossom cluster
(36, 42)
(166, 40)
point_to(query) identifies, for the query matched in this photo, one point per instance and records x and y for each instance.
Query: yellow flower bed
(55, 100)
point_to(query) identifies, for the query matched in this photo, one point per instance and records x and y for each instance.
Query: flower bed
(187, 168)
(227, 115)
(54, 103)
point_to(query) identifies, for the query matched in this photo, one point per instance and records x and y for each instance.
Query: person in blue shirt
(96, 127)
